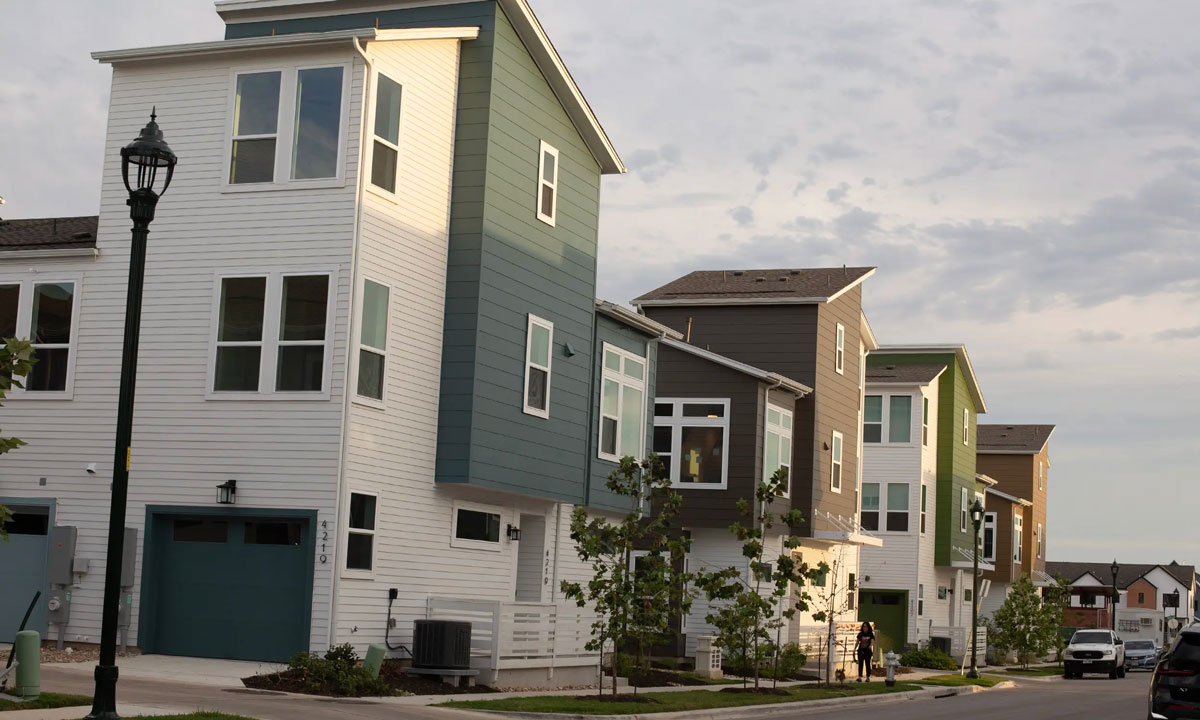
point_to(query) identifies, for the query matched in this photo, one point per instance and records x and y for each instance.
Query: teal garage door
(23, 570)
(229, 587)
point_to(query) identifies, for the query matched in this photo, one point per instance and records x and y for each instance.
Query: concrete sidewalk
(74, 713)
(198, 671)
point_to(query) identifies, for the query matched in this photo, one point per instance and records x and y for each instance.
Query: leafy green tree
(1027, 623)
(16, 360)
(635, 597)
(746, 610)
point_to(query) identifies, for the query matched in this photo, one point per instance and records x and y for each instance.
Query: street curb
(758, 711)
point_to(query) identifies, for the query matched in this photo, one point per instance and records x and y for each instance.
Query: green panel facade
(955, 460)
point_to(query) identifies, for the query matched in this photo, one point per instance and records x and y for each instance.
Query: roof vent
(1010, 427)
(760, 278)
(739, 273)
(81, 235)
(782, 279)
(794, 272)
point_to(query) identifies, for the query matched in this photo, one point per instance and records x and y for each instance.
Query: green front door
(224, 586)
(887, 611)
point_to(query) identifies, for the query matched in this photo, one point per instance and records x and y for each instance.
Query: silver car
(1141, 654)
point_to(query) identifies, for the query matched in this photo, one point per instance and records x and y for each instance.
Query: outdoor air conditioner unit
(442, 644)
(940, 643)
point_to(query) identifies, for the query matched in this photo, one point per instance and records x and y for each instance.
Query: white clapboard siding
(937, 612)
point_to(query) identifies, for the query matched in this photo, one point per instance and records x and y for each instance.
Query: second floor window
(272, 334)
(777, 451)
(924, 505)
(989, 537)
(925, 421)
(44, 312)
(691, 437)
(835, 465)
(622, 404)
(897, 507)
(1039, 540)
(372, 341)
(870, 506)
(896, 427)
(385, 153)
(539, 338)
(360, 536)
(963, 509)
(547, 200)
(1018, 533)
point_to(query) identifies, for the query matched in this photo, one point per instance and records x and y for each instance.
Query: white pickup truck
(1094, 651)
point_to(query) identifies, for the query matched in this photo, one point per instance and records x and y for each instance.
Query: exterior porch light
(977, 521)
(227, 492)
(514, 533)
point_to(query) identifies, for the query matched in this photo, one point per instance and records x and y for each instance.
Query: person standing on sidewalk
(866, 650)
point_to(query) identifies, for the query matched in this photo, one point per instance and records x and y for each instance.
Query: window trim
(622, 380)
(966, 426)
(924, 420)
(784, 434)
(907, 511)
(1018, 537)
(369, 123)
(361, 298)
(26, 284)
(272, 317)
(544, 148)
(285, 128)
(990, 522)
(347, 531)
(878, 511)
(964, 499)
(839, 350)
(677, 421)
(837, 443)
(1039, 541)
(885, 419)
(548, 369)
(462, 543)
(924, 506)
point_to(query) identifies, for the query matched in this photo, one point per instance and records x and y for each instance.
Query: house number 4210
(324, 557)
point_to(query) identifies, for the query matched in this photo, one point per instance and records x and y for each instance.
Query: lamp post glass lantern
(153, 164)
(977, 521)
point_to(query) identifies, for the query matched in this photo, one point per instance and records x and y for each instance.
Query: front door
(887, 611)
(23, 570)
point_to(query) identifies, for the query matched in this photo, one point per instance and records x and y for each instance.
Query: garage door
(229, 587)
(23, 570)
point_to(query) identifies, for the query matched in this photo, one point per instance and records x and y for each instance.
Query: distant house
(1147, 606)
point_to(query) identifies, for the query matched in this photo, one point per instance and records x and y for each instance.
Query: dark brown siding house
(802, 324)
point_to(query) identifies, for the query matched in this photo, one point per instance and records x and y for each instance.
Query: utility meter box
(128, 557)
(62, 554)
(126, 611)
(58, 607)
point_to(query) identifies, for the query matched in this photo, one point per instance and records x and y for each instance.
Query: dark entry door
(887, 611)
(23, 570)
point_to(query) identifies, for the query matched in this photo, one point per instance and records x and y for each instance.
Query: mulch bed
(662, 678)
(292, 681)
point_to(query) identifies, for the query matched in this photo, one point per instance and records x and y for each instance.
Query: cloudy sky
(1026, 176)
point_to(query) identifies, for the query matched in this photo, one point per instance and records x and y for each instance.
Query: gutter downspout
(340, 508)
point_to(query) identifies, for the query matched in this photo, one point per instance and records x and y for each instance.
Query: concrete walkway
(198, 671)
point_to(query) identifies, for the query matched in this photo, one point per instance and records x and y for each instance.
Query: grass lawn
(1033, 671)
(670, 702)
(45, 702)
(195, 716)
(959, 680)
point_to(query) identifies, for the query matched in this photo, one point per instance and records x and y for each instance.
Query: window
(1142, 599)
(898, 426)
(360, 537)
(873, 419)
(920, 599)
(385, 153)
(1039, 540)
(989, 537)
(539, 339)
(691, 437)
(925, 422)
(962, 510)
(44, 312)
(622, 404)
(196, 530)
(839, 355)
(778, 445)
(310, 129)
(924, 506)
(966, 426)
(259, 350)
(372, 341)
(272, 532)
(476, 526)
(897, 507)
(1018, 532)
(547, 202)
(835, 469)
(870, 506)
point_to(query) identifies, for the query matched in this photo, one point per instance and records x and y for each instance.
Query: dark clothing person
(866, 649)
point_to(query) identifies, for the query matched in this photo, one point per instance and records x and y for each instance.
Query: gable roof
(640, 322)
(799, 286)
(800, 389)
(1012, 439)
(61, 233)
(1127, 573)
(523, 20)
(959, 350)
(905, 374)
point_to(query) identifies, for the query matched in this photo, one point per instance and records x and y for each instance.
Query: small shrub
(337, 673)
(930, 658)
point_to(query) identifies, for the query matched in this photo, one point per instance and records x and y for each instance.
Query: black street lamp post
(1115, 568)
(977, 519)
(147, 154)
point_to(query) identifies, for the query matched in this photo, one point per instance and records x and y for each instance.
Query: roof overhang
(866, 333)
(528, 28)
(843, 537)
(960, 351)
(1011, 498)
(777, 380)
(984, 565)
(47, 253)
(634, 320)
(986, 480)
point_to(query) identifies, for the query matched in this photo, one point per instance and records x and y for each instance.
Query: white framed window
(873, 419)
(1041, 476)
(622, 404)
(287, 125)
(897, 507)
(924, 505)
(835, 465)
(989, 537)
(839, 353)
(271, 335)
(966, 426)
(691, 437)
(869, 516)
(46, 311)
(385, 150)
(925, 422)
(963, 510)
(547, 197)
(920, 599)
(1018, 533)
(372, 342)
(1039, 540)
(539, 341)
(360, 531)
(895, 426)
(476, 526)
(777, 445)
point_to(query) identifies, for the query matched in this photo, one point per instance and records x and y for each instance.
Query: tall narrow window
(777, 452)
(924, 505)
(240, 334)
(839, 354)
(1018, 532)
(835, 470)
(989, 537)
(303, 316)
(925, 421)
(900, 418)
(664, 435)
(622, 404)
(920, 599)
(870, 506)
(255, 128)
(50, 333)
(538, 341)
(385, 154)
(10, 301)
(1039, 540)
(1041, 476)
(897, 507)
(547, 203)
(360, 538)
(963, 508)
(966, 426)
(317, 129)
(372, 341)
(873, 419)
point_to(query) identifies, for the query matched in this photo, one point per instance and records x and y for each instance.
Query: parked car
(1141, 654)
(1094, 651)
(1175, 686)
